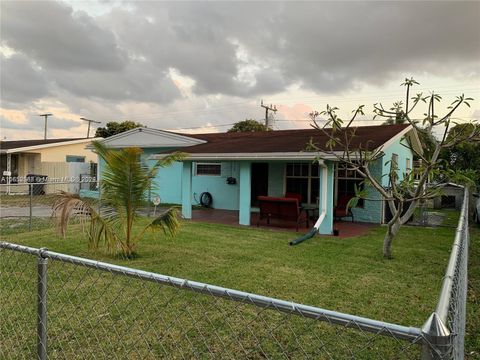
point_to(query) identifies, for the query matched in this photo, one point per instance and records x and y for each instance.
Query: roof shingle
(288, 140)
(16, 144)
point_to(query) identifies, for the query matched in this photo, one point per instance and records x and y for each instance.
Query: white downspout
(323, 212)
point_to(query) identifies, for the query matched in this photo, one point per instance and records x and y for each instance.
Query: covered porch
(346, 229)
(267, 176)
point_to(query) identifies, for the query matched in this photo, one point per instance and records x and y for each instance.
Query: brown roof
(287, 140)
(15, 144)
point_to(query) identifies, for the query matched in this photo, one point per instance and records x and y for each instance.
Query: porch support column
(326, 190)
(245, 192)
(187, 190)
(9, 172)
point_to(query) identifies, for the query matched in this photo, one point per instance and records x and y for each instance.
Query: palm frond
(69, 206)
(102, 230)
(101, 227)
(167, 221)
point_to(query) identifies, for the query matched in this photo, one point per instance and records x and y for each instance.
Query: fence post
(30, 191)
(437, 339)
(42, 305)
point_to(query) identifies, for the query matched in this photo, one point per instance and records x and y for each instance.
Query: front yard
(347, 275)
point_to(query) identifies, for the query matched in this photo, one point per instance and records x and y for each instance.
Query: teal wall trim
(326, 227)
(187, 189)
(245, 192)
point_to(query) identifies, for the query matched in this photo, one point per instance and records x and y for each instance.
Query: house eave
(411, 133)
(174, 140)
(285, 156)
(45, 146)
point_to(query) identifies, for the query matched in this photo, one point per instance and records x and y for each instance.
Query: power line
(268, 108)
(340, 99)
(200, 127)
(89, 121)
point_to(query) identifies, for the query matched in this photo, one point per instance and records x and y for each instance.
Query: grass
(347, 275)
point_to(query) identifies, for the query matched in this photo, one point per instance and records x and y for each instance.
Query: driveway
(19, 211)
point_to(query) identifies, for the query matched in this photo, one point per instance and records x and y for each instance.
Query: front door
(259, 181)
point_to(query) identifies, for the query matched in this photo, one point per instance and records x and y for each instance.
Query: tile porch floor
(230, 217)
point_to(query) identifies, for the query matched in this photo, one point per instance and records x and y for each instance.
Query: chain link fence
(59, 306)
(446, 326)
(28, 206)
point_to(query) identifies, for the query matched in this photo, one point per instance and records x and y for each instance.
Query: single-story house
(235, 168)
(61, 160)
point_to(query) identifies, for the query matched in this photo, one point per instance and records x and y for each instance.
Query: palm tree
(123, 188)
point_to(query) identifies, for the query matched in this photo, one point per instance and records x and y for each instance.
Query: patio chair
(291, 195)
(297, 196)
(342, 209)
(285, 209)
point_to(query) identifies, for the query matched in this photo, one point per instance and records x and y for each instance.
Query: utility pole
(46, 117)
(267, 108)
(89, 122)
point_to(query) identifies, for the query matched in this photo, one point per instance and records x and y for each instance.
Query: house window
(75, 158)
(208, 169)
(394, 161)
(347, 180)
(302, 178)
(408, 166)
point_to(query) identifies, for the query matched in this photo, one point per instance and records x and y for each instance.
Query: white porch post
(187, 190)
(9, 172)
(245, 193)
(327, 174)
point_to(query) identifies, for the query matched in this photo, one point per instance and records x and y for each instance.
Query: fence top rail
(85, 181)
(343, 319)
(447, 284)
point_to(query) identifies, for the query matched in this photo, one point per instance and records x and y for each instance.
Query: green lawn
(347, 275)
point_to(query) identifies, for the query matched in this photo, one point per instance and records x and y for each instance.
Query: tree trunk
(389, 236)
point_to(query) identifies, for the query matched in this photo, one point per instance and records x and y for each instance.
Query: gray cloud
(138, 82)
(55, 36)
(94, 64)
(324, 46)
(20, 81)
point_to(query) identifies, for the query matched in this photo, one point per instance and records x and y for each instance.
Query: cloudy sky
(202, 66)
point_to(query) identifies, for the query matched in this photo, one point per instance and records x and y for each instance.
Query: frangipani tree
(124, 184)
(406, 192)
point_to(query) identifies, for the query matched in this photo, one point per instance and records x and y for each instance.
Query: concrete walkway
(19, 211)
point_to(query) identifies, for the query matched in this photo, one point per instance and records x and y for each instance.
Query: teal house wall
(400, 148)
(373, 209)
(225, 196)
(166, 184)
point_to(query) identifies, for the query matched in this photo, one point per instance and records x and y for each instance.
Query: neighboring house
(61, 160)
(235, 168)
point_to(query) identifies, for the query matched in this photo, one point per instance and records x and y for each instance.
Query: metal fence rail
(80, 308)
(28, 206)
(446, 326)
